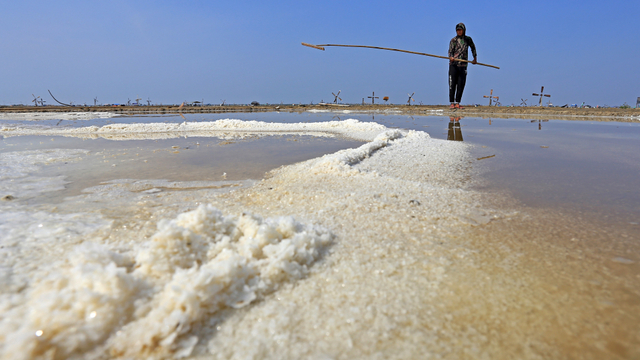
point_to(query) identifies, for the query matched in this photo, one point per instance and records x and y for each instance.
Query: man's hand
(451, 58)
(475, 61)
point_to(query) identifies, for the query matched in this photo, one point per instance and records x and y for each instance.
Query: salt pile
(347, 259)
(193, 267)
(391, 203)
(226, 128)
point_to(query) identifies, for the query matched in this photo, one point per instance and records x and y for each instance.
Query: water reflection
(455, 133)
(539, 123)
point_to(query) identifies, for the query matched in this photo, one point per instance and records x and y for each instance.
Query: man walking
(459, 49)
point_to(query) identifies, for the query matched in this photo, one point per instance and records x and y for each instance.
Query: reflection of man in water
(455, 133)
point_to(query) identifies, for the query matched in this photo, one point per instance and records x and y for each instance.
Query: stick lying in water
(321, 47)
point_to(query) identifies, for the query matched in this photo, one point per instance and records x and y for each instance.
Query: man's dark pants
(457, 79)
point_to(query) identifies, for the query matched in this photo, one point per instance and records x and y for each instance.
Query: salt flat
(383, 250)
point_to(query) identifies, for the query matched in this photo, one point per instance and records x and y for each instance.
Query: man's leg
(453, 81)
(462, 80)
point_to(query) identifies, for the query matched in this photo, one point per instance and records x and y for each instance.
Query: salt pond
(522, 241)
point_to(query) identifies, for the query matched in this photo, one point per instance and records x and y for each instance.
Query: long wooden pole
(57, 99)
(321, 47)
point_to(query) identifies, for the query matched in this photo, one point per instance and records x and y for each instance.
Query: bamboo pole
(321, 47)
(57, 99)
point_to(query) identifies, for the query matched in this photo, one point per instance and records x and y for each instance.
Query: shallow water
(178, 159)
(581, 165)
(518, 246)
(556, 163)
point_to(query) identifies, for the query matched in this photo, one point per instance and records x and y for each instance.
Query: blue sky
(243, 51)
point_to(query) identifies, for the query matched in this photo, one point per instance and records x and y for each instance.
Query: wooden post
(411, 98)
(491, 97)
(373, 97)
(541, 95)
(335, 100)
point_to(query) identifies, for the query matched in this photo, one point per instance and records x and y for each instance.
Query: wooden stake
(373, 97)
(491, 97)
(541, 95)
(321, 47)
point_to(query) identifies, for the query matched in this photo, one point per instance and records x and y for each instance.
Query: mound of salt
(196, 265)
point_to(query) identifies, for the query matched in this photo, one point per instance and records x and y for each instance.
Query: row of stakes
(491, 97)
(373, 98)
(524, 101)
(38, 101)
